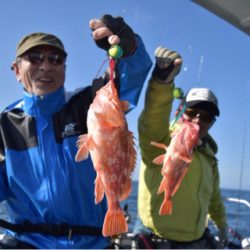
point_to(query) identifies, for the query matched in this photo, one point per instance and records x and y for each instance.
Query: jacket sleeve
(216, 207)
(3, 176)
(153, 122)
(133, 71)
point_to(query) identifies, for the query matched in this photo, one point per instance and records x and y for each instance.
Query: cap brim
(212, 107)
(38, 45)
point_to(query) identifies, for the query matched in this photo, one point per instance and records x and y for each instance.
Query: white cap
(202, 95)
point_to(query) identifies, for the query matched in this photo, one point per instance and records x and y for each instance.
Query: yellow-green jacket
(199, 192)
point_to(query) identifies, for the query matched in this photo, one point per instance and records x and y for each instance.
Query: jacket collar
(44, 105)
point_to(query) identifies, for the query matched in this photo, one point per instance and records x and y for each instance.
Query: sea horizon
(221, 187)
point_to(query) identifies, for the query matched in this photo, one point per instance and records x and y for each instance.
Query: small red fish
(175, 161)
(111, 146)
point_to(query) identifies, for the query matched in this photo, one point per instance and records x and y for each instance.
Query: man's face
(201, 117)
(41, 70)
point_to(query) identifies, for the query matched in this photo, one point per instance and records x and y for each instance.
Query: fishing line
(242, 161)
(182, 111)
(241, 173)
(98, 71)
(200, 70)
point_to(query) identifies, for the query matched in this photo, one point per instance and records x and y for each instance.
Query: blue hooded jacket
(39, 178)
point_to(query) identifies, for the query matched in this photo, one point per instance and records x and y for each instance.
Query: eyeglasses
(204, 116)
(37, 58)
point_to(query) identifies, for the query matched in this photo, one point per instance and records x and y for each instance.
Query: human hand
(111, 30)
(223, 237)
(168, 64)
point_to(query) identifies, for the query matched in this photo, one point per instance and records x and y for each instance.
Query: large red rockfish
(111, 146)
(175, 161)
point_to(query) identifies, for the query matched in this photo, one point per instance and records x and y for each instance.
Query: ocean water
(238, 213)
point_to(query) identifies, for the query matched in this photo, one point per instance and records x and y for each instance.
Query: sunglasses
(37, 58)
(204, 116)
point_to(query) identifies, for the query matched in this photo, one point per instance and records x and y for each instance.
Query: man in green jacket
(198, 196)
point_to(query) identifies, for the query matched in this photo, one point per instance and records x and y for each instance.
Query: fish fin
(185, 158)
(182, 174)
(166, 207)
(127, 190)
(125, 105)
(162, 186)
(159, 145)
(131, 151)
(99, 189)
(131, 160)
(114, 223)
(81, 140)
(83, 149)
(159, 159)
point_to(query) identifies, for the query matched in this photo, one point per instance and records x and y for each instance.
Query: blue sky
(215, 54)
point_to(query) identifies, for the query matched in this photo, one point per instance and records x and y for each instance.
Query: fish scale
(112, 149)
(175, 161)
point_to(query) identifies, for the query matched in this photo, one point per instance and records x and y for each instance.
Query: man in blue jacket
(49, 196)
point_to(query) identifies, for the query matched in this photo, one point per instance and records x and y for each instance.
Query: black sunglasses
(204, 116)
(37, 58)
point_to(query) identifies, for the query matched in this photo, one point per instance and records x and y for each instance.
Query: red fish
(175, 161)
(111, 146)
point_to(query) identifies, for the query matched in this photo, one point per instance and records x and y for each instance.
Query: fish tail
(114, 223)
(166, 207)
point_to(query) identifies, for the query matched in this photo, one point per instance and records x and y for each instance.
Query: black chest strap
(51, 229)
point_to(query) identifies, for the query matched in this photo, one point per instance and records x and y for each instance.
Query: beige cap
(37, 39)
